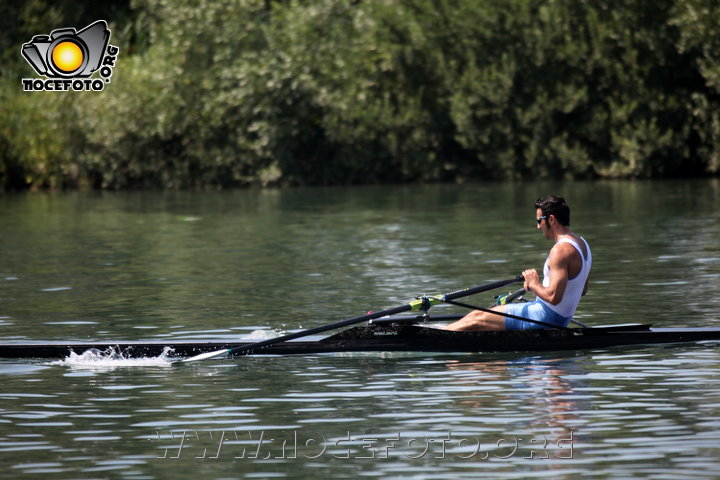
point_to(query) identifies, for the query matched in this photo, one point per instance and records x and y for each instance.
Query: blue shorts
(535, 310)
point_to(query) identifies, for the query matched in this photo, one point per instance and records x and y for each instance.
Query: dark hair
(552, 205)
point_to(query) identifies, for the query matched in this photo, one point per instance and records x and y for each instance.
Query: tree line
(227, 93)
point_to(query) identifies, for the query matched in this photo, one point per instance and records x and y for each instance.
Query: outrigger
(387, 332)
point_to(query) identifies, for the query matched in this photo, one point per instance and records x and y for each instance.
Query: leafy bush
(223, 93)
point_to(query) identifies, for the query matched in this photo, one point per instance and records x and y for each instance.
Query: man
(565, 277)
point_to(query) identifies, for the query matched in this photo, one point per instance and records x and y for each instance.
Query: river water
(257, 263)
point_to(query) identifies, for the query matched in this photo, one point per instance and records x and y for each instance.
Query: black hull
(399, 338)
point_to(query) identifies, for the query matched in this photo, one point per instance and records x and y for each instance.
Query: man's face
(543, 222)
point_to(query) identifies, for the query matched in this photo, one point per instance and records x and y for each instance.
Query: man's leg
(479, 320)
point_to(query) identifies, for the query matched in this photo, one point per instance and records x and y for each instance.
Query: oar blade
(205, 356)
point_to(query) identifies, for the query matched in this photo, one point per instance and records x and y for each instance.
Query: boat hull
(393, 337)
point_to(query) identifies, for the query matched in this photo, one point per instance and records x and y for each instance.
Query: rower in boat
(565, 278)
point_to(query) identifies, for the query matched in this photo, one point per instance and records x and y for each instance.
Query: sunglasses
(540, 219)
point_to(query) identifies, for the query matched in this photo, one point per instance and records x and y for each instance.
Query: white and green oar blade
(205, 356)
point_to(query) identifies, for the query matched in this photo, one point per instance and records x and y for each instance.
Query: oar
(512, 296)
(509, 299)
(522, 292)
(504, 314)
(421, 304)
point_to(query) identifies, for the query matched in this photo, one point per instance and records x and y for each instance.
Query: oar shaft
(370, 316)
(344, 323)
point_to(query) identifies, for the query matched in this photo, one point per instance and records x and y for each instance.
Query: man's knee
(479, 320)
(491, 321)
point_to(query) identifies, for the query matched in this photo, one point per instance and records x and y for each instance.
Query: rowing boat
(385, 331)
(404, 336)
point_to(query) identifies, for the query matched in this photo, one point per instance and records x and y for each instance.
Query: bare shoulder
(581, 243)
(562, 248)
(563, 252)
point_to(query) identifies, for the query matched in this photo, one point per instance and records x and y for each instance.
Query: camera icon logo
(67, 58)
(67, 53)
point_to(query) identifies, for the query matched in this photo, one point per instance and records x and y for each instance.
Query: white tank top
(575, 286)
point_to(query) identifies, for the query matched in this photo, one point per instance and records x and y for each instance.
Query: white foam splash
(111, 358)
(262, 334)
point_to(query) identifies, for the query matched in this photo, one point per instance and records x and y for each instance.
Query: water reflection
(542, 390)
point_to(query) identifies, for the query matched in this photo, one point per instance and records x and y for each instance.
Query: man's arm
(558, 263)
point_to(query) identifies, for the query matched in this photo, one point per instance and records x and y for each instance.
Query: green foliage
(37, 141)
(214, 94)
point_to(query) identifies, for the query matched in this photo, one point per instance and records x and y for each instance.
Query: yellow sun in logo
(67, 56)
